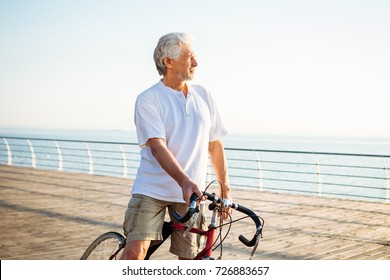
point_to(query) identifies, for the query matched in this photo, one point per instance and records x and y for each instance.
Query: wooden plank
(55, 215)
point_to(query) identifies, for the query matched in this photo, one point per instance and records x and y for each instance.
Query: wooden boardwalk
(54, 215)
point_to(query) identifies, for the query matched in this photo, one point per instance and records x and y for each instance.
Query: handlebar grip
(193, 208)
(255, 218)
(248, 243)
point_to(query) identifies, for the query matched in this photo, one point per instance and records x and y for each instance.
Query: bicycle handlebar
(191, 210)
(194, 208)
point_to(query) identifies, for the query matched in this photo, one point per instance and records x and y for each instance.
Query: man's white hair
(170, 46)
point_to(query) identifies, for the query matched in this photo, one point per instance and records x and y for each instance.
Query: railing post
(319, 179)
(261, 181)
(33, 158)
(9, 154)
(124, 161)
(387, 184)
(210, 172)
(60, 162)
(90, 160)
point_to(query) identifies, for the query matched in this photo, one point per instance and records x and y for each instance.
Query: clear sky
(317, 68)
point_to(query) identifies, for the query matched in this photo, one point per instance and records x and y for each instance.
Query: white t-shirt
(187, 125)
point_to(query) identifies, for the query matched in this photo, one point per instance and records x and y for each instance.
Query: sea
(295, 170)
(362, 145)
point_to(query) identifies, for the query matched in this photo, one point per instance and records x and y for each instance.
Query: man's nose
(194, 63)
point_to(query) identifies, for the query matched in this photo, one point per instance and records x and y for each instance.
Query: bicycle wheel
(108, 246)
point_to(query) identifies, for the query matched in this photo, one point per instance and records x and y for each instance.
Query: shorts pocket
(131, 214)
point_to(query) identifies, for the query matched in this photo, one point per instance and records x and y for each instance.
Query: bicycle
(109, 245)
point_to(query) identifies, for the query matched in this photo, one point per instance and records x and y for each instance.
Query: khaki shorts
(144, 220)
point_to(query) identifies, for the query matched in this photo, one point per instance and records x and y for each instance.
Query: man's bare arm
(220, 166)
(169, 163)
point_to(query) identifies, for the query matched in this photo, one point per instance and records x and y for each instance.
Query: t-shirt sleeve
(147, 119)
(217, 129)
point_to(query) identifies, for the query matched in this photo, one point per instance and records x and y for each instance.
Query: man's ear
(167, 62)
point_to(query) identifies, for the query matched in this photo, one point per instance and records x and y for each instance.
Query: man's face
(184, 66)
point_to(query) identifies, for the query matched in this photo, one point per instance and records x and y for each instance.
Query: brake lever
(258, 237)
(194, 216)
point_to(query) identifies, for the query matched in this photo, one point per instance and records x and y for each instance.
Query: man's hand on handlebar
(225, 194)
(188, 188)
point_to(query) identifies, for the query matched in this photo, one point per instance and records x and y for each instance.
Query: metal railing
(351, 176)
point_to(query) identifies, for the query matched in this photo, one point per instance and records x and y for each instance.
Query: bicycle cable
(221, 225)
(220, 212)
